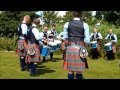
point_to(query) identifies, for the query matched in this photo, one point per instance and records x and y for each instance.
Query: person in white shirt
(96, 36)
(52, 34)
(44, 39)
(112, 38)
(77, 35)
(62, 36)
(33, 38)
(52, 31)
(22, 42)
(44, 35)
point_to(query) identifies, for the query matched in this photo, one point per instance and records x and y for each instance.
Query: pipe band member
(112, 38)
(96, 36)
(44, 37)
(77, 36)
(63, 38)
(34, 43)
(22, 42)
(52, 34)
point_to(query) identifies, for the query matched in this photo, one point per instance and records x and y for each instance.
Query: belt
(77, 43)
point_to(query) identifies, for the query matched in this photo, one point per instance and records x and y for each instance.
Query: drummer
(112, 38)
(53, 31)
(96, 36)
(52, 34)
(44, 36)
(63, 37)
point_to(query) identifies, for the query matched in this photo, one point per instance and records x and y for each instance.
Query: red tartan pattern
(22, 52)
(36, 57)
(72, 60)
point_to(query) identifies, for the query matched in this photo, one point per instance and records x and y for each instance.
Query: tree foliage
(9, 21)
(112, 17)
(50, 17)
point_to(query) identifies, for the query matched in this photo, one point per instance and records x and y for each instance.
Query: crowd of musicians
(35, 47)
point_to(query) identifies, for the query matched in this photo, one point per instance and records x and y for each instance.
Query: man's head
(53, 26)
(26, 19)
(45, 28)
(36, 21)
(110, 31)
(95, 30)
(77, 13)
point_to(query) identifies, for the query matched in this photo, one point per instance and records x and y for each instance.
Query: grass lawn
(98, 69)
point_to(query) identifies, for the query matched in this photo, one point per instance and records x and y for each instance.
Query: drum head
(107, 44)
(57, 41)
(52, 43)
(93, 42)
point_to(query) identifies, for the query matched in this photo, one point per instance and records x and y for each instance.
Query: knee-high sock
(33, 68)
(22, 62)
(70, 76)
(78, 76)
(51, 55)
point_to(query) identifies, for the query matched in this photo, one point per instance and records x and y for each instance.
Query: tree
(112, 17)
(68, 16)
(9, 21)
(50, 17)
(86, 15)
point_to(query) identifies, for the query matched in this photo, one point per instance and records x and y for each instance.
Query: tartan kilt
(36, 57)
(73, 61)
(22, 53)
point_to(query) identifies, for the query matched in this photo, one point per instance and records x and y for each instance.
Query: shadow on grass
(54, 60)
(41, 70)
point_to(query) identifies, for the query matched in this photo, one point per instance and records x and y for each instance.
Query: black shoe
(22, 69)
(32, 74)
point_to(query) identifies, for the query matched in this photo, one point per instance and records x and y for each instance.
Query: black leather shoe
(32, 74)
(22, 69)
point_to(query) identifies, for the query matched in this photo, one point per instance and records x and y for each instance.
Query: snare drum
(58, 42)
(94, 44)
(53, 46)
(108, 46)
(44, 51)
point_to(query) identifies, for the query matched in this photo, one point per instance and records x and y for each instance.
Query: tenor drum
(94, 44)
(108, 46)
(58, 42)
(52, 45)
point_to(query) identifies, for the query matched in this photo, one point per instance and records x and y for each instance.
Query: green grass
(98, 69)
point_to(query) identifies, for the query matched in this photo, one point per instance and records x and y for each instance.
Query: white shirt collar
(23, 22)
(53, 30)
(76, 19)
(34, 25)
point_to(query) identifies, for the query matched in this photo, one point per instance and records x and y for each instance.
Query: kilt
(73, 61)
(22, 53)
(36, 57)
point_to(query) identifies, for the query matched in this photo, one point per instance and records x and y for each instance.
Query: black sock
(22, 63)
(70, 76)
(44, 59)
(51, 56)
(78, 76)
(33, 68)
